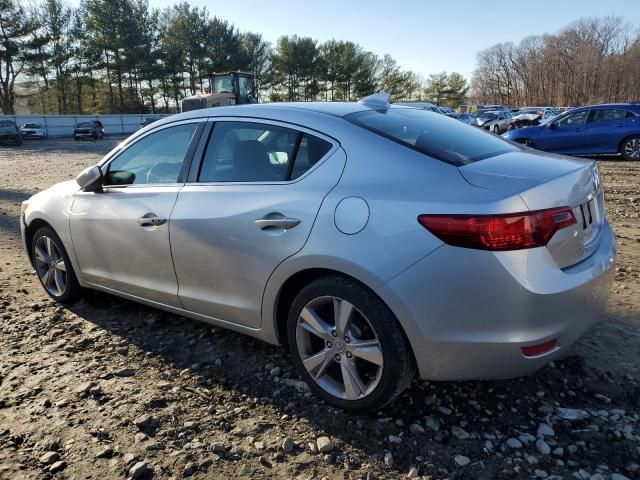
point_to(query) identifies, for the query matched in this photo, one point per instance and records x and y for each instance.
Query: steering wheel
(156, 176)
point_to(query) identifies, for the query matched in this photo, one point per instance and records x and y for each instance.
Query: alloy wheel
(50, 266)
(632, 149)
(339, 348)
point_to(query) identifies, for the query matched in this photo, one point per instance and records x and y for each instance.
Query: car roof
(632, 106)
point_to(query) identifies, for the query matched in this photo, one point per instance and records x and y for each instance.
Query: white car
(34, 130)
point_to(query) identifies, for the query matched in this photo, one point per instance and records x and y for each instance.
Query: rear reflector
(535, 350)
(511, 231)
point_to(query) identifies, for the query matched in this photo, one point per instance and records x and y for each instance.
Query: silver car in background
(496, 121)
(372, 240)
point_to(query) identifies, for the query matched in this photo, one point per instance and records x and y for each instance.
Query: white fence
(62, 125)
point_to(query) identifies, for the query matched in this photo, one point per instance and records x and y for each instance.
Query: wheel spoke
(317, 364)
(41, 255)
(48, 246)
(60, 266)
(342, 312)
(353, 386)
(59, 281)
(368, 350)
(46, 278)
(312, 323)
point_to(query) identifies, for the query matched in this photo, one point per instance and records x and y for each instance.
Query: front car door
(605, 129)
(251, 205)
(567, 134)
(121, 235)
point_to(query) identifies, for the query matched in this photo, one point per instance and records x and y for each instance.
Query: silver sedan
(371, 240)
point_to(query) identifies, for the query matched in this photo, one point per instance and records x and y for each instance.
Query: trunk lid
(547, 181)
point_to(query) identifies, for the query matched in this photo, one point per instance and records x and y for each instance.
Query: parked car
(10, 133)
(530, 116)
(92, 129)
(496, 121)
(33, 130)
(446, 110)
(421, 106)
(593, 130)
(148, 121)
(371, 239)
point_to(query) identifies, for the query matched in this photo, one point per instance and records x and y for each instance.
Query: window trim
(198, 158)
(186, 164)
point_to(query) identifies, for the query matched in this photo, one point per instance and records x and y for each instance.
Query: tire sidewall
(381, 319)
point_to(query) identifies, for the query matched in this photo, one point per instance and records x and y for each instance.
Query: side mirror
(90, 179)
(550, 125)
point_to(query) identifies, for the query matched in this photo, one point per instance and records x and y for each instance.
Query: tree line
(594, 60)
(121, 56)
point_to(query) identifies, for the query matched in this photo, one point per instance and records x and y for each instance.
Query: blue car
(594, 130)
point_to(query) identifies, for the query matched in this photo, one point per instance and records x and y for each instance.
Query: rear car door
(251, 204)
(567, 134)
(606, 128)
(121, 235)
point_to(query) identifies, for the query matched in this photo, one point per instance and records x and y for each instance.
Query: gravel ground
(111, 389)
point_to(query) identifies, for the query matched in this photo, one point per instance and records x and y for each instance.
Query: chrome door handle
(151, 220)
(276, 220)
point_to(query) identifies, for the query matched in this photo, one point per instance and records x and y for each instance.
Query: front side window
(223, 84)
(577, 118)
(254, 152)
(437, 136)
(607, 115)
(156, 158)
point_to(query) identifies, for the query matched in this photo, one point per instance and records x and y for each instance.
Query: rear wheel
(630, 148)
(348, 345)
(53, 267)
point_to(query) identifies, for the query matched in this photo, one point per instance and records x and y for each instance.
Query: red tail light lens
(512, 231)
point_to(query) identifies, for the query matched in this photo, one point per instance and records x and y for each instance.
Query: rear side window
(254, 152)
(607, 115)
(437, 136)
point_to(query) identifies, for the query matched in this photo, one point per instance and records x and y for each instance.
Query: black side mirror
(550, 125)
(90, 179)
(119, 177)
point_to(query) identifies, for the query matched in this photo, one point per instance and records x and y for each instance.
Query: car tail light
(511, 231)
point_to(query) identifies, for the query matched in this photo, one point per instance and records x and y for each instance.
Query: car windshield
(437, 136)
(487, 115)
(85, 125)
(31, 125)
(7, 123)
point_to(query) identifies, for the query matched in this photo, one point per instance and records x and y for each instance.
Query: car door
(605, 129)
(251, 205)
(121, 235)
(565, 134)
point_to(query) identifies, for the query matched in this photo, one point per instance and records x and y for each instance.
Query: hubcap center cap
(339, 346)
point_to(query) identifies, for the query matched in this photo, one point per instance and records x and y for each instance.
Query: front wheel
(496, 129)
(53, 267)
(348, 345)
(630, 148)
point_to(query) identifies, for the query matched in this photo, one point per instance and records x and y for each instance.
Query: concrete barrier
(63, 125)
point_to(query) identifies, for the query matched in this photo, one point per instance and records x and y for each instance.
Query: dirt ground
(111, 389)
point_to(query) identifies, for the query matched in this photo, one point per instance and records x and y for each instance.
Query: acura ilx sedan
(371, 240)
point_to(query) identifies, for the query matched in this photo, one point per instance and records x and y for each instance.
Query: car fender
(53, 206)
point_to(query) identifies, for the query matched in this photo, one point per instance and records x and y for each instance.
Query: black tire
(496, 129)
(624, 146)
(72, 290)
(398, 367)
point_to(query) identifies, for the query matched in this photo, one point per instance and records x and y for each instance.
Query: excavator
(225, 88)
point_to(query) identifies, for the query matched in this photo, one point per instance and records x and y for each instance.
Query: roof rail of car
(377, 100)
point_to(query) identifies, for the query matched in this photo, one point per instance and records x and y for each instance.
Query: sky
(425, 36)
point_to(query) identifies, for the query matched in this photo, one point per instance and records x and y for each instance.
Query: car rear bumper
(468, 313)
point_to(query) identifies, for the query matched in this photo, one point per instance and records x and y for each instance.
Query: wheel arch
(297, 281)
(625, 138)
(30, 231)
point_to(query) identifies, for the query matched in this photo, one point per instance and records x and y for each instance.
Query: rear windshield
(86, 125)
(435, 135)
